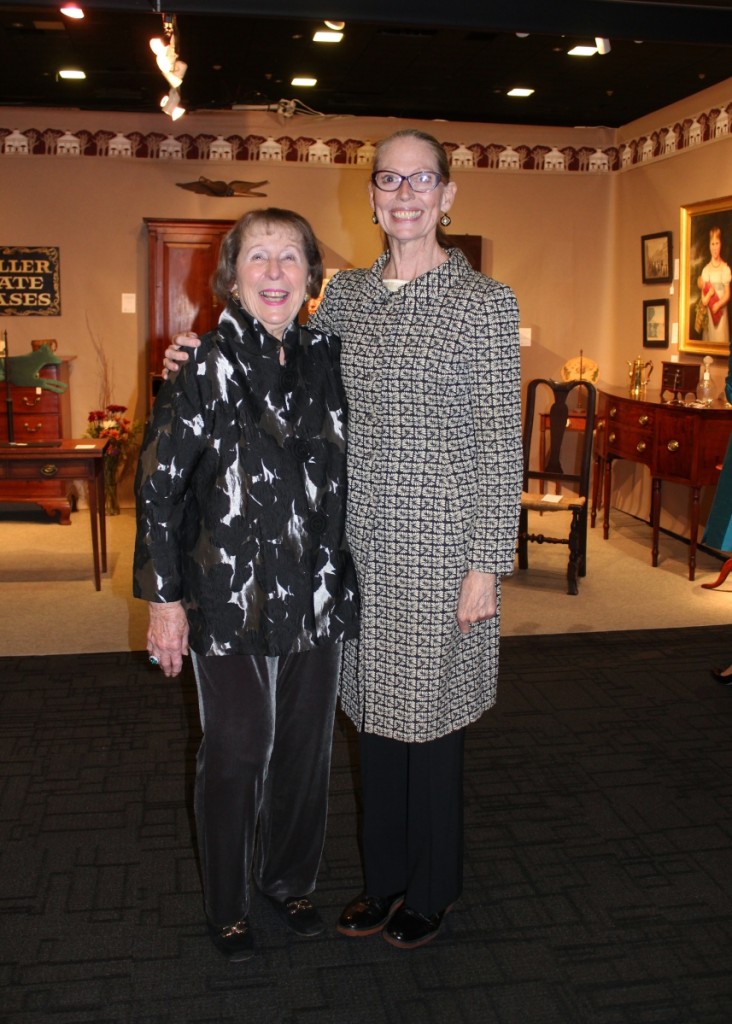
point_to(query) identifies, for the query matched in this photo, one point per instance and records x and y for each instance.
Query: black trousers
(263, 767)
(413, 819)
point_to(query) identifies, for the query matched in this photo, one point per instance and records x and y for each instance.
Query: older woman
(241, 502)
(430, 363)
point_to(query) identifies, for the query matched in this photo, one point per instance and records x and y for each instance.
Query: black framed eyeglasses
(420, 181)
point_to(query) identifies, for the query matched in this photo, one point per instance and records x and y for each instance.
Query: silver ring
(153, 660)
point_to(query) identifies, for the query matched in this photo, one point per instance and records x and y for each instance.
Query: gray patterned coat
(434, 481)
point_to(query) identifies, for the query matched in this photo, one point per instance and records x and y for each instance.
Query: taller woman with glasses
(430, 363)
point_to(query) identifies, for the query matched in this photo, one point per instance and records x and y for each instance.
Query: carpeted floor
(598, 870)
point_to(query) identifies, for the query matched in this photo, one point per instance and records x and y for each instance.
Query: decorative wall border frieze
(711, 125)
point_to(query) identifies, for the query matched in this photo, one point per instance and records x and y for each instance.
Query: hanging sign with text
(30, 283)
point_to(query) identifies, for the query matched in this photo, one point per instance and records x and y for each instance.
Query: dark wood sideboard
(678, 444)
(39, 415)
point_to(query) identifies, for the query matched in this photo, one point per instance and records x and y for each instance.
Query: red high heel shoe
(718, 674)
(724, 573)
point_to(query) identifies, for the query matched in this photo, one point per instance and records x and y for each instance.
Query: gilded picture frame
(698, 333)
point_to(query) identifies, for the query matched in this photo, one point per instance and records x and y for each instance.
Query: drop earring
(445, 220)
(235, 293)
(374, 219)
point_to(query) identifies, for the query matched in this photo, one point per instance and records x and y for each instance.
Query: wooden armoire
(182, 257)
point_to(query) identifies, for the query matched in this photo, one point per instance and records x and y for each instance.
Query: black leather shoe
(367, 915)
(299, 914)
(719, 675)
(235, 942)
(409, 929)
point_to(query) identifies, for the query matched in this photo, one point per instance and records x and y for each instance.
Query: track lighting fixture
(603, 45)
(72, 11)
(171, 105)
(172, 67)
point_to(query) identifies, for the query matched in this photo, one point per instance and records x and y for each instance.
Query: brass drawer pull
(32, 430)
(643, 420)
(49, 469)
(613, 412)
(641, 447)
(30, 404)
(673, 446)
(611, 438)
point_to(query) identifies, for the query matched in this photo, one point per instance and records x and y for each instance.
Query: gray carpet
(598, 866)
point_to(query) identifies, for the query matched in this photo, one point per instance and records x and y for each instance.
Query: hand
(167, 636)
(173, 354)
(478, 599)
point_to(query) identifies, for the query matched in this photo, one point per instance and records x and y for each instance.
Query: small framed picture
(657, 257)
(655, 323)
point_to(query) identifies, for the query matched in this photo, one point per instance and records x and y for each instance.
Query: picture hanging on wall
(657, 257)
(704, 285)
(655, 323)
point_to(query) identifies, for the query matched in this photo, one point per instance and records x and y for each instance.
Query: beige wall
(568, 243)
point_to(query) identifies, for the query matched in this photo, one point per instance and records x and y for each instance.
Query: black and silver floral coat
(241, 493)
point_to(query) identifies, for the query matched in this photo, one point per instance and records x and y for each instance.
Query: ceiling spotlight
(582, 51)
(603, 45)
(72, 11)
(71, 74)
(171, 105)
(520, 92)
(304, 81)
(336, 26)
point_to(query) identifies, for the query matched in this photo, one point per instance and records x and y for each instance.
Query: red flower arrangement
(112, 423)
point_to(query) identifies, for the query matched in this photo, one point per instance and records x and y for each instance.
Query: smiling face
(271, 275)
(406, 215)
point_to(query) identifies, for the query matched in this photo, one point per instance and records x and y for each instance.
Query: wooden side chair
(557, 476)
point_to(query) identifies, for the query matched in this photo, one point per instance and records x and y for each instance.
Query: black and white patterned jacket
(241, 493)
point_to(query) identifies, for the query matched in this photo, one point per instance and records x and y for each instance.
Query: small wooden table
(69, 459)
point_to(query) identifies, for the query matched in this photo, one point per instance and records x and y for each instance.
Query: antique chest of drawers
(39, 415)
(679, 444)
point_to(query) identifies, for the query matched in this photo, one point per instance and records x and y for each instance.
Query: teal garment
(718, 532)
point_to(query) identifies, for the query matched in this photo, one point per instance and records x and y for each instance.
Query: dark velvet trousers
(413, 819)
(261, 797)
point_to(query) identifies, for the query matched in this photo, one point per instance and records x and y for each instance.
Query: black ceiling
(451, 59)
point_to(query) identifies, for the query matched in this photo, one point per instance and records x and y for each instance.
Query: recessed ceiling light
(520, 92)
(304, 81)
(71, 74)
(582, 51)
(72, 11)
(337, 26)
(321, 36)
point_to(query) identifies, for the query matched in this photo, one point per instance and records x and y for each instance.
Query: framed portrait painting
(656, 257)
(705, 277)
(655, 323)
